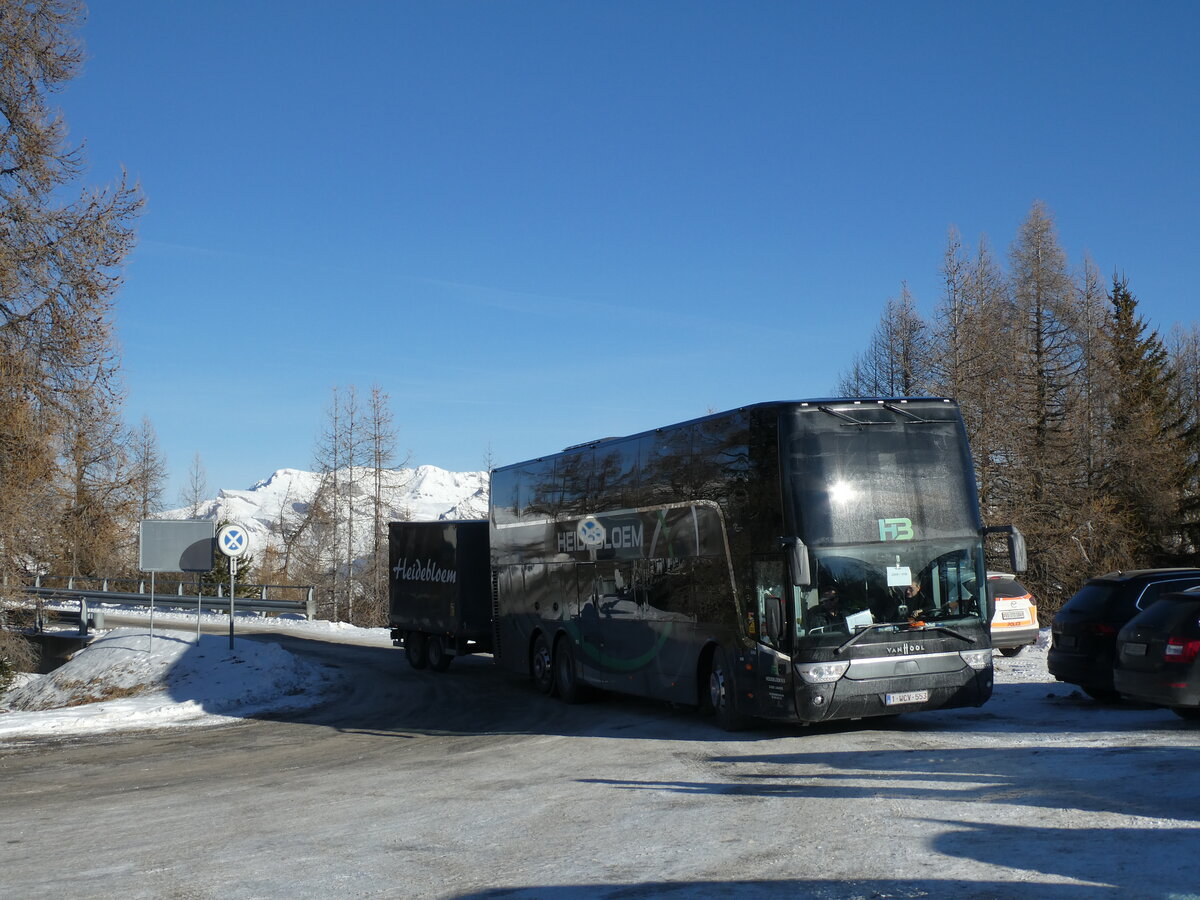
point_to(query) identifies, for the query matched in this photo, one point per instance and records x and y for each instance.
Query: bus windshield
(860, 585)
(876, 472)
(882, 493)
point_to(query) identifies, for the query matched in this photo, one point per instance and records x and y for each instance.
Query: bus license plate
(906, 697)
(1135, 649)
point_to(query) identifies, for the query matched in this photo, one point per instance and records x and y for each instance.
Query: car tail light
(1181, 650)
(1101, 629)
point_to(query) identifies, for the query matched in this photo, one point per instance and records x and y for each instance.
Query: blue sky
(538, 223)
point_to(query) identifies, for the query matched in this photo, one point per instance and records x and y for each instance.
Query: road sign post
(233, 541)
(232, 595)
(174, 545)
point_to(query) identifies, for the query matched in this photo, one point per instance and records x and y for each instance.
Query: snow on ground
(1028, 667)
(131, 679)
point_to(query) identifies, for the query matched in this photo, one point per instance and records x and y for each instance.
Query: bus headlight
(822, 672)
(977, 659)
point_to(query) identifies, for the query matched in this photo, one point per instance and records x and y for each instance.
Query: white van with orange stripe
(1014, 613)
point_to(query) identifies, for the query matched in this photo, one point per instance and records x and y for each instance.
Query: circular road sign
(233, 541)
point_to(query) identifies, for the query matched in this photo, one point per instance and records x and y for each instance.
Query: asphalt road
(468, 784)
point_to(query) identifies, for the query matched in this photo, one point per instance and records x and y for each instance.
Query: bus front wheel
(722, 698)
(541, 665)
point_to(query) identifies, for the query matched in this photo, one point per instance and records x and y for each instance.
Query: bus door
(775, 614)
(776, 626)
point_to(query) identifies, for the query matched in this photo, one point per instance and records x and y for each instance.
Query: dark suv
(1084, 633)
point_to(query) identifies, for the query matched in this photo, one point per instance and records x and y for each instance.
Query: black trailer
(439, 599)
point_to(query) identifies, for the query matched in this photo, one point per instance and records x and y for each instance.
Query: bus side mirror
(797, 557)
(1016, 551)
(773, 613)
(1017, 557)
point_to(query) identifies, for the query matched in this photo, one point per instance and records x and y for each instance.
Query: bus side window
(713, 593)
(505, 496)
(668, 589)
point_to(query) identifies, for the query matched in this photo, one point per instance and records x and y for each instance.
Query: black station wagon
(1084, 633)
(1158, 654)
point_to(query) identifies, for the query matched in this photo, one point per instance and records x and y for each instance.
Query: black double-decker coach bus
(805, 561)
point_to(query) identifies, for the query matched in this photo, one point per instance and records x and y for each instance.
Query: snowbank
(130, 680)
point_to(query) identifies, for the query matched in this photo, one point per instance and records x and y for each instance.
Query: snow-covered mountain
(423, 493)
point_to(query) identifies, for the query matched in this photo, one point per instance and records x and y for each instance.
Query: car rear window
(1170, 612)
(1092, 598)
(1005, 587)
(1156, 589)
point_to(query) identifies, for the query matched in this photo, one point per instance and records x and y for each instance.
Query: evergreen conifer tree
(1146, 458)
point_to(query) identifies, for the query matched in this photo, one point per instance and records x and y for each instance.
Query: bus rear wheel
(569, 688)
(541, 665)
(436, 655)
(722, 698)
(414, 649)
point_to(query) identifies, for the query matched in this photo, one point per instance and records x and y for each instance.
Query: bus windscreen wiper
(890, 407)
(866, 628)
(843, 416)
(951, 632)
(913, 417)
(878, 625)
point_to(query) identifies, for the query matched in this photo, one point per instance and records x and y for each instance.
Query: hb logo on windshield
(896, 530)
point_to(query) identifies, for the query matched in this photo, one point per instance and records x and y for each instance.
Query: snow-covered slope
(280, 501)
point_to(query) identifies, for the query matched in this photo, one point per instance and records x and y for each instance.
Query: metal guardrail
(171, 596)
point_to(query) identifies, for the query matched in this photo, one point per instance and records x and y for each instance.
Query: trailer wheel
(541, 665)
(435, 653)
(569, 688)
(722, 699)
(414, 649)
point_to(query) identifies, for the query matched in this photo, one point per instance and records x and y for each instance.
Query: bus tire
(414, 649)
(722, 698)
(435, 653)
(541, 665)
(570, 690)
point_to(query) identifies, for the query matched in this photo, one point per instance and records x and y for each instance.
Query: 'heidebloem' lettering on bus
(423, 570)
(619, 537)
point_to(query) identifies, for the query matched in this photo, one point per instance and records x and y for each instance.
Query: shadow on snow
(818, 889)
(372, 689)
